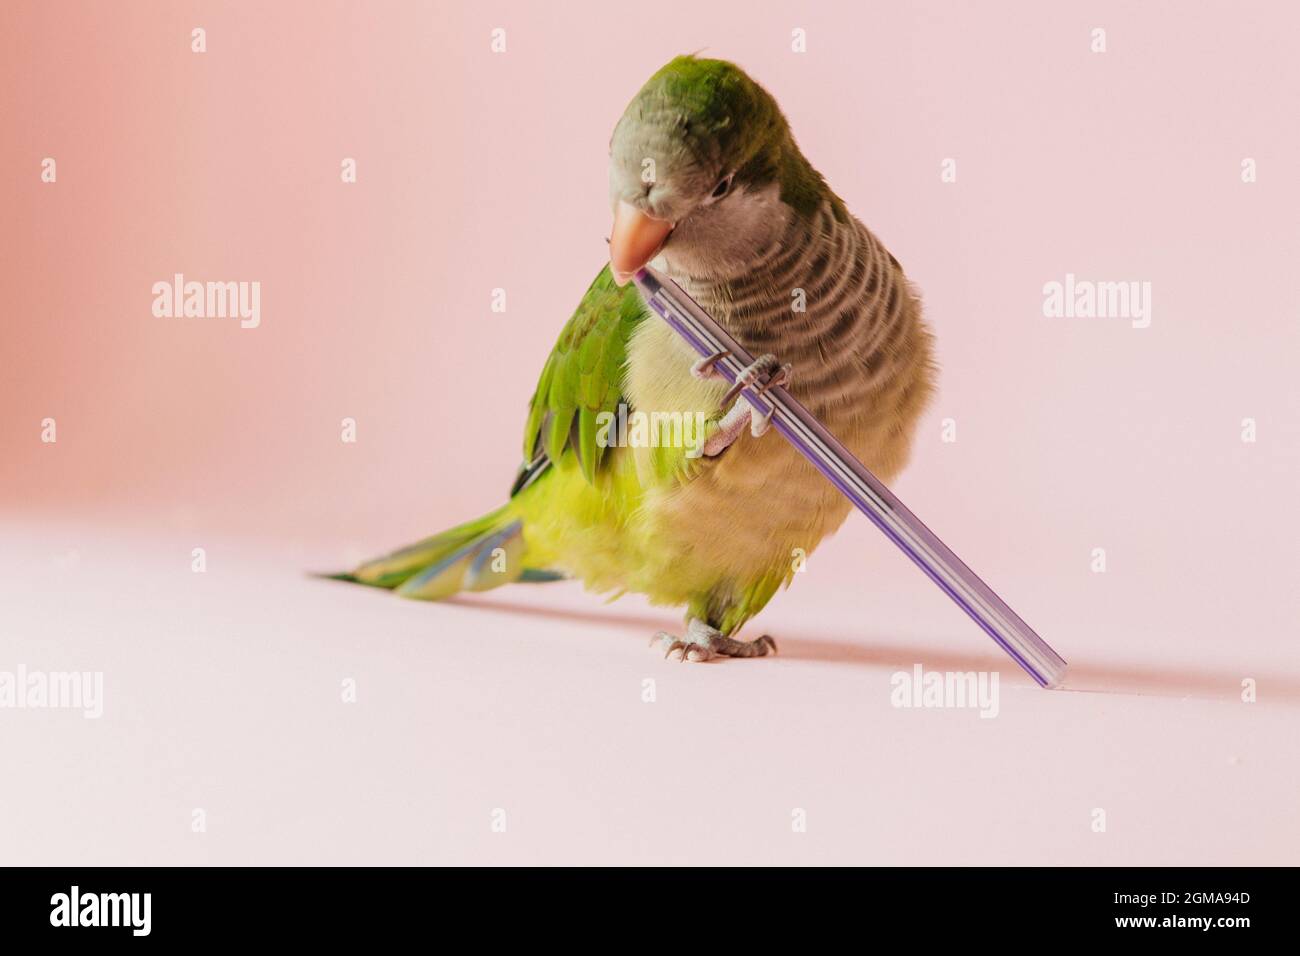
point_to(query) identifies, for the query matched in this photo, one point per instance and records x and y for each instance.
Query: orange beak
(634, 241)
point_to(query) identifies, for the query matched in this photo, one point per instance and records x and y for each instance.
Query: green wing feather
(583, 376)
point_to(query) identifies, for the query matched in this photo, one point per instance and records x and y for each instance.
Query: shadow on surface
(1084, 677)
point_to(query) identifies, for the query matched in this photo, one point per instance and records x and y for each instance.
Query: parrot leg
(741, 413)
(702, 642)
(729, 428)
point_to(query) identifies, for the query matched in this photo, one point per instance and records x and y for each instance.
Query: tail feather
(476, 556)
(394, 569)
(488, 561)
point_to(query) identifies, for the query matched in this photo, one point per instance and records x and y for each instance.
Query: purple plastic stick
(859, 485)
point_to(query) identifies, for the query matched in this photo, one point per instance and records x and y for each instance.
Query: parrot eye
(720, 190)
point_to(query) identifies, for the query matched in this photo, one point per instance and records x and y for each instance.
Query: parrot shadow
(1084, 677)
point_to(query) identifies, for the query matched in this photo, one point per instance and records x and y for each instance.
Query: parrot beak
(634, 241)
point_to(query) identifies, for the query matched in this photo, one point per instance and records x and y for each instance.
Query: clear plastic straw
(860, 486)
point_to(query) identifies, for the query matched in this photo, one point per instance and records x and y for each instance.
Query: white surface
(223, 692)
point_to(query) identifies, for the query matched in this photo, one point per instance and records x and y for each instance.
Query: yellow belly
(745, 516)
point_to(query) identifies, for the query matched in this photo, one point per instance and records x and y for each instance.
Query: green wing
(583, 377)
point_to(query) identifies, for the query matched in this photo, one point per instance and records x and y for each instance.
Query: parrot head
(703, 171)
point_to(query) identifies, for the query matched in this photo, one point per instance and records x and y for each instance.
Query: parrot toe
(703, 643)
(686, 650)
(752, 373)
(761, 647)
(706, 368)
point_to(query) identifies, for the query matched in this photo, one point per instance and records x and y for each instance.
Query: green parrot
(707, 184)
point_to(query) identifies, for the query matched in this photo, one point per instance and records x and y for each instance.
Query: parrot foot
(703, 643)
(742, 413)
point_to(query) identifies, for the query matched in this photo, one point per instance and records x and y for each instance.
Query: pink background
(479, 171)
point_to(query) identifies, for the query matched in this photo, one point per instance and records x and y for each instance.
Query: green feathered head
(703, 168)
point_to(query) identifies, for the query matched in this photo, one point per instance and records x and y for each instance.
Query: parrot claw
(690, 650)
(706, 367)
(751, 373)
(703, 643)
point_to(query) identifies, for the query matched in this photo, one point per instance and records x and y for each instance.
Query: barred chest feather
(830, 300)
